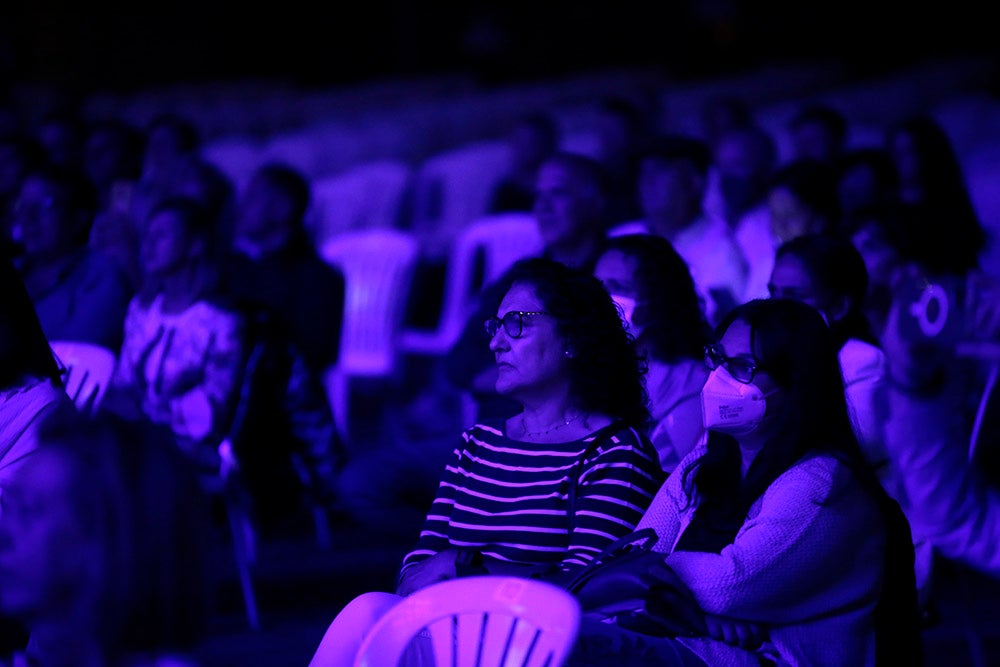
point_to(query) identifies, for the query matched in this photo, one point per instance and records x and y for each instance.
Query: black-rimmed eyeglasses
(742, 369)
(512, 321)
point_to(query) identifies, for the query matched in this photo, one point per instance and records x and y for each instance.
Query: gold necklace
(536, 434)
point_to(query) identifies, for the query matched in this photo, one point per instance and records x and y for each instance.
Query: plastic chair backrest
(499, 240)
(489, 621)
(366, 196)
(378, 266)
(88, 370)
(453, 188)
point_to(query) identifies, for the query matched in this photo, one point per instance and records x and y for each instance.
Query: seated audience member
(743, 161)
(866, 182)
(818, 132)
(295, 303)
(182, 358)
(504, 503)
(534, 137)
(801, 199)
(828, 273)
(948, 491)
(673, 181)
(172, 143)
(103, 548)
(775, 530)
(570, 207)
(650, 282)
(113, 162)
(622, 126)
(79, 294)
(62, 132)
(20, 154)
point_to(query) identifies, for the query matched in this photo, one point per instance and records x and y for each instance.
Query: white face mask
(627, 304)
(730, 406)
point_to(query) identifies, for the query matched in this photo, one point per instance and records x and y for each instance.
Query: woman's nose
(499, 340)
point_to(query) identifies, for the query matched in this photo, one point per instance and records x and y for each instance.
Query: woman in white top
(775, 529)
(660, 305)
(182, 356)
(828, 273)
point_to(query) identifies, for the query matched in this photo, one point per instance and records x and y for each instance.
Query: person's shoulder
(858, 357)
(815, 478)
(630, 227)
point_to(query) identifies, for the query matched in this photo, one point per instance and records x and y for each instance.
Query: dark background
(123, 46)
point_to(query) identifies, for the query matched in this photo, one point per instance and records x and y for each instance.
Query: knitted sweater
(807, 563)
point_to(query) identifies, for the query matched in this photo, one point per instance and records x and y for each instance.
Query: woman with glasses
(775, 529)
(550, 486)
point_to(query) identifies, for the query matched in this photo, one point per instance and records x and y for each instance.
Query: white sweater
(807, 563)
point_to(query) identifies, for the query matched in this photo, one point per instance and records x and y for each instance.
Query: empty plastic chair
(378, 266)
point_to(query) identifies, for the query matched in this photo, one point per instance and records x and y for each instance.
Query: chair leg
(321, 521)
(245, 553)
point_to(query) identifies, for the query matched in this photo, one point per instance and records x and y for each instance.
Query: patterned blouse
(185, 366)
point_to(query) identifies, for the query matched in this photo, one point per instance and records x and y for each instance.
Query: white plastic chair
(483, 621)
(88, 370)
(452, 188)
(378, 267)
(500, 240)
(366, 196)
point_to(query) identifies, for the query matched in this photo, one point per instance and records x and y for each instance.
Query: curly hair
(669, 310)
(606, 369)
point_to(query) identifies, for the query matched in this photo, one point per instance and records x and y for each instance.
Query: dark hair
(78, 193)
(185, 134)
(668, 308)
(680, 147)
(832, 119)
(25, 350)
(838, 269)
(542, 124)
(195, 217)
(584, 168)
(139, 497)
(945, 234)
(813, 182)
(291, 184)
(606, 370)
(792, 342)
(879, 163)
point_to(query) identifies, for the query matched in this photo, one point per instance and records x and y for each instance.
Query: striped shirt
(510, 499)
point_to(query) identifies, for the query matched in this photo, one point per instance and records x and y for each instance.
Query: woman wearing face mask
(652, 285)
(777, 529)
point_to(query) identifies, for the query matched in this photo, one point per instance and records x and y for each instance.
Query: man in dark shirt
(296, 300)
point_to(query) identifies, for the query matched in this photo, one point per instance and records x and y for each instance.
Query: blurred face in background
(42, 218)
(567, 209)
(616, 271)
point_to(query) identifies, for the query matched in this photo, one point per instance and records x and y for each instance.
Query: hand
(912, 363)
(439, 567)
(743, 634)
